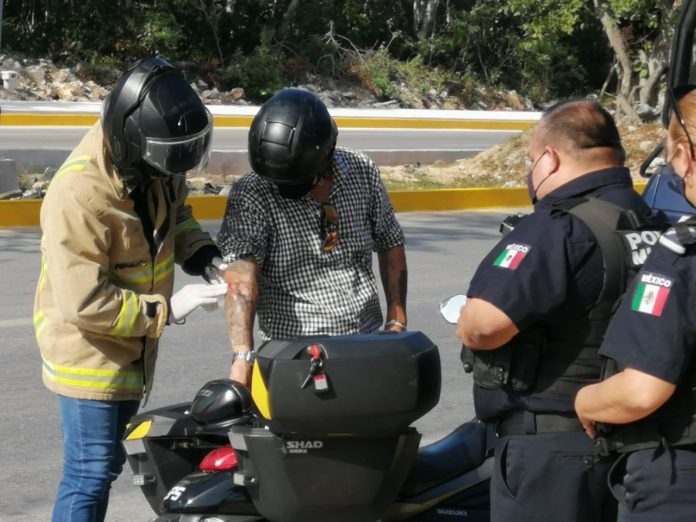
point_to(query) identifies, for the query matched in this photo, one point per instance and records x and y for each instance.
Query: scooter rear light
(220, 459)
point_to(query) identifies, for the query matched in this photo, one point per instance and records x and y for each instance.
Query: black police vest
(674, 423)
(531, 362)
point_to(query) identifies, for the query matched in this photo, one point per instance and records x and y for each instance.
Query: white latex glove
(190, 297)
(213, 272)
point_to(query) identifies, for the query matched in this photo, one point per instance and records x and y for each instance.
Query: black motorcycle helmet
(154, 124)
(291, 141)
(221, 403)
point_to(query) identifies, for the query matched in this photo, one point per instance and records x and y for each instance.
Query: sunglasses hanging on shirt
(329, 227)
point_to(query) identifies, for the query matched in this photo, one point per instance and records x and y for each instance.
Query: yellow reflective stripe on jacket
(39, 322)
(189, 224)
(92, 378)
(128, 315)
(143, 275)
(75, 165)
(42, 274)
(164, 268)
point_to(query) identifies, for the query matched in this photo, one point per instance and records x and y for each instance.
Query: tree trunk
(288, 19)
(618, 45)
(624, 106)
(656, 61)
(213, 28)
(424, 12)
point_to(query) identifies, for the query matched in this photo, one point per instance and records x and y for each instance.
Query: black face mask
(530, 183)
(680, 184)
(530, 188)
(294, 191)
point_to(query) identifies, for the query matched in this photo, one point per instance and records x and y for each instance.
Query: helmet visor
(177, 156)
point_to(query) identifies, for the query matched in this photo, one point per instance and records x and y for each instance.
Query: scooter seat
(460, 451)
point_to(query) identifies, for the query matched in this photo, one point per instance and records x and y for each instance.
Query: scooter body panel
(161, 449)
(193, 517)
(204, 492)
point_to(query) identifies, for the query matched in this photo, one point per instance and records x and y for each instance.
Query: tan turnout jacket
(97, 334)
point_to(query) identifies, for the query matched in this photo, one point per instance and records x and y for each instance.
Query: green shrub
(260, 73)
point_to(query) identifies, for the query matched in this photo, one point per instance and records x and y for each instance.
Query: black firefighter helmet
(154, 124)
(291, 141)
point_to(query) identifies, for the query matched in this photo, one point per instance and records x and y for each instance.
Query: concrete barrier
(25, 213)
(9, 182)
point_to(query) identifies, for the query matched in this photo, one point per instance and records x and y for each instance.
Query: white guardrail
(64, 108)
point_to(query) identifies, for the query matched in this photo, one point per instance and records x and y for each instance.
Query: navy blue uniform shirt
(654, 329)
(548, 272)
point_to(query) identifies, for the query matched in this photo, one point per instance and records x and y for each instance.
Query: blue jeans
(93, 456)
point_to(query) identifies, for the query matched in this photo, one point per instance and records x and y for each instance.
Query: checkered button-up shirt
(304, 290)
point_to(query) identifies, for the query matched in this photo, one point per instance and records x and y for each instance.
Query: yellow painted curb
(86, 120)
(22, 213)
(458, 199)
(39, 120)
(25, 213)
(207, 207)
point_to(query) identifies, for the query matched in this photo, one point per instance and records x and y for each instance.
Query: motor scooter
(300, 448)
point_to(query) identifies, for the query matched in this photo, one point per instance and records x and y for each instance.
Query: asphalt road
(443, 251)
(227, 139)
(39, 147)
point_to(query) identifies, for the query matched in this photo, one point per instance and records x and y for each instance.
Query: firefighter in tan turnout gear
(114, 223)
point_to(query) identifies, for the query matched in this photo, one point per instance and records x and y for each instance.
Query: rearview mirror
(653, 162)
(450, 308)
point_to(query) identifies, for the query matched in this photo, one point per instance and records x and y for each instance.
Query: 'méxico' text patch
(651, 294)
(512, 256)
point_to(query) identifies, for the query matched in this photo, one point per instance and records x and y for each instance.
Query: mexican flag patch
(651, 294)
(512, 256)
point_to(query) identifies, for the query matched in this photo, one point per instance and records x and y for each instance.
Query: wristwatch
(246, 356)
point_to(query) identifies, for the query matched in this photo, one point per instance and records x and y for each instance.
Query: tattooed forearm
(392, 267)
(397, 291)
(240, 302)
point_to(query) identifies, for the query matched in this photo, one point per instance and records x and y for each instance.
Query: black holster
(514, 365)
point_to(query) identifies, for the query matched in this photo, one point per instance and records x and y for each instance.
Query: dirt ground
(506, 165)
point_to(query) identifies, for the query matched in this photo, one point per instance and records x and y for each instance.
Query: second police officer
(538, 307)
(649, 401)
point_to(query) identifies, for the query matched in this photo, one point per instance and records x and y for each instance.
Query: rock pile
(42, 80)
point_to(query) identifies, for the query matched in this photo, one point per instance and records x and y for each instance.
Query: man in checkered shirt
(299, 232)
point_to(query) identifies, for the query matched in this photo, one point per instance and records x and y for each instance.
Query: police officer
(530, 328)
(650, 401)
